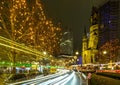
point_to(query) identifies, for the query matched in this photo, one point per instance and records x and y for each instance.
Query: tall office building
(66, 46)
(109, 24)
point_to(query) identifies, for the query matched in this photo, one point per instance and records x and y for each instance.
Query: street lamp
(107, 55)
(105, 52)
(76, 57)
(44, 53)
(76, 52)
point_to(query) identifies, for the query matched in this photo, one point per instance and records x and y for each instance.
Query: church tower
(84, 46)
(93, 40)
(90, 44)
(93, 29)
(84, 40)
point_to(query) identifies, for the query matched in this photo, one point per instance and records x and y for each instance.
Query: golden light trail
(19, 47)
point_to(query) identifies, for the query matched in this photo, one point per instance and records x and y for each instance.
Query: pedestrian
(89, 78)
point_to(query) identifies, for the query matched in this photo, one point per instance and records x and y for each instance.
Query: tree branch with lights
(109, 51)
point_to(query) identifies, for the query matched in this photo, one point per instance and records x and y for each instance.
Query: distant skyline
(73, 14)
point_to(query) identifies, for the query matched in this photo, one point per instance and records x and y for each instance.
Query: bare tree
(109, 51)
(24, 21)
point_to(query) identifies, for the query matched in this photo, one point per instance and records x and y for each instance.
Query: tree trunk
(14, 61)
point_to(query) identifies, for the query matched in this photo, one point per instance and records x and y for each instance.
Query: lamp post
(76, 56)
(77, 53)
(105, 53)
(44, 53)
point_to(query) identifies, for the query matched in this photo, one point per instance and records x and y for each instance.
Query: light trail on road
(69, 78)
(39, 78)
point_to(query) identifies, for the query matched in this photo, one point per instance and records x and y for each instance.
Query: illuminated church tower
(84, 46)
(93, 40)
(90, 50)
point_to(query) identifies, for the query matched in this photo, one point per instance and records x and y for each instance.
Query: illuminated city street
(61, 78)
(59, 42)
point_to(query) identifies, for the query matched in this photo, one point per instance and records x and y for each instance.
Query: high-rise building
(109, 24)
(66, 46)
(109, 27)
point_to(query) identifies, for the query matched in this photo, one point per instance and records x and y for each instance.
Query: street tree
(109, 51)
(24, 21)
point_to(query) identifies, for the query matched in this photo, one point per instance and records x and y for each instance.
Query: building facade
(109, 21)
(66, 45)
(105, 27)
(109, 26)
(90, 43)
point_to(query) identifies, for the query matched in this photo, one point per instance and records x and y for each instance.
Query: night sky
(73, 14)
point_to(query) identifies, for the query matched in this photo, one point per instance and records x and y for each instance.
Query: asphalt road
(68, 78)
(75, 80)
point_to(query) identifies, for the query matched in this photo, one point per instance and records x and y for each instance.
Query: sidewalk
(2, 79)
(83, 78)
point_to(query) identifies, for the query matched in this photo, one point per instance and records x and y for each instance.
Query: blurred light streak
(17, 46)
(52, 81)
(64, 81)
